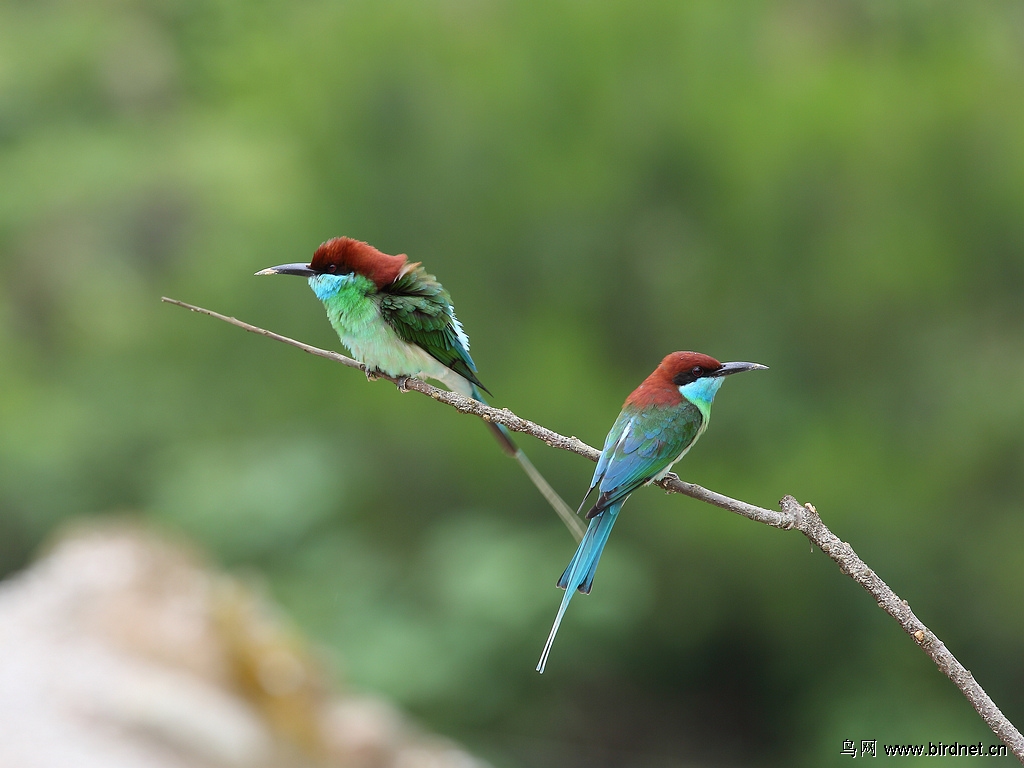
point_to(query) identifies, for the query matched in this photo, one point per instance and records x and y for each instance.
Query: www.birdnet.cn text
(871, 748)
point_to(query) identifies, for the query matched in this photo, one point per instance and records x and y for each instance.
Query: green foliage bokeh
(833, 189)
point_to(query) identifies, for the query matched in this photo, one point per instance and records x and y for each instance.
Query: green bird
(398, 320)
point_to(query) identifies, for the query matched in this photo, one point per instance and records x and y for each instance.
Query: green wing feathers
(420, 311)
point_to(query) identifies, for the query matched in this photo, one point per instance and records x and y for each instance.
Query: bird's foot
(402, 383)
(372, 374)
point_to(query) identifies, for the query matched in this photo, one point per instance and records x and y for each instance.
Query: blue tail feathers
(579, 574)
(580, 571)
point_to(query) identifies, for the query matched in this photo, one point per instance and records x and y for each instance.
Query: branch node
(794, 512)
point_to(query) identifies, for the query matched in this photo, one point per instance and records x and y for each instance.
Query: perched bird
(660, 421)
(398, 320)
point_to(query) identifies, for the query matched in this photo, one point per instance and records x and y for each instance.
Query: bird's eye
(697, 371)
(332, 268)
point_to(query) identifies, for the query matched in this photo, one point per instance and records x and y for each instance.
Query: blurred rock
(120, 649)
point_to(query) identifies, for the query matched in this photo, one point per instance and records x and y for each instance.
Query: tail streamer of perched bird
(659, 422)
(398, 320)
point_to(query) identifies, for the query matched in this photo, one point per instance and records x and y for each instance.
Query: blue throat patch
(325, 286)
(702, 391)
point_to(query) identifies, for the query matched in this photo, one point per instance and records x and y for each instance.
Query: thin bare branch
(809, 523)
(793, 515)
(338, 358)
(567, 515)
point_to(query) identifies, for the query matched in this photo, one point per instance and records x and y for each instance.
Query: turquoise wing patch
(654, 439)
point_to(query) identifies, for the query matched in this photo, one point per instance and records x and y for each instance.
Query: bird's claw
(372, 374)
(668, 478)
(402, 383)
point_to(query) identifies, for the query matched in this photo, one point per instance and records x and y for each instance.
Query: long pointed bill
(302, 270)
(730, 368)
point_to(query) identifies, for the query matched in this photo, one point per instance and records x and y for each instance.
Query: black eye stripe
(683, 378)
(690, 375)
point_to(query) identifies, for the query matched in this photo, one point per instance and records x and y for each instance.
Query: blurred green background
(833, 189)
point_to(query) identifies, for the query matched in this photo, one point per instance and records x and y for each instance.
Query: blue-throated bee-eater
(659, 422)
(397, 319)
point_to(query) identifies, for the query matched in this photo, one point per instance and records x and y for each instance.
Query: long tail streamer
(579, 574)
(563, 510)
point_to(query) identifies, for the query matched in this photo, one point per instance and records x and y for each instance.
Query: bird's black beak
(730, 368)
(300, 269)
